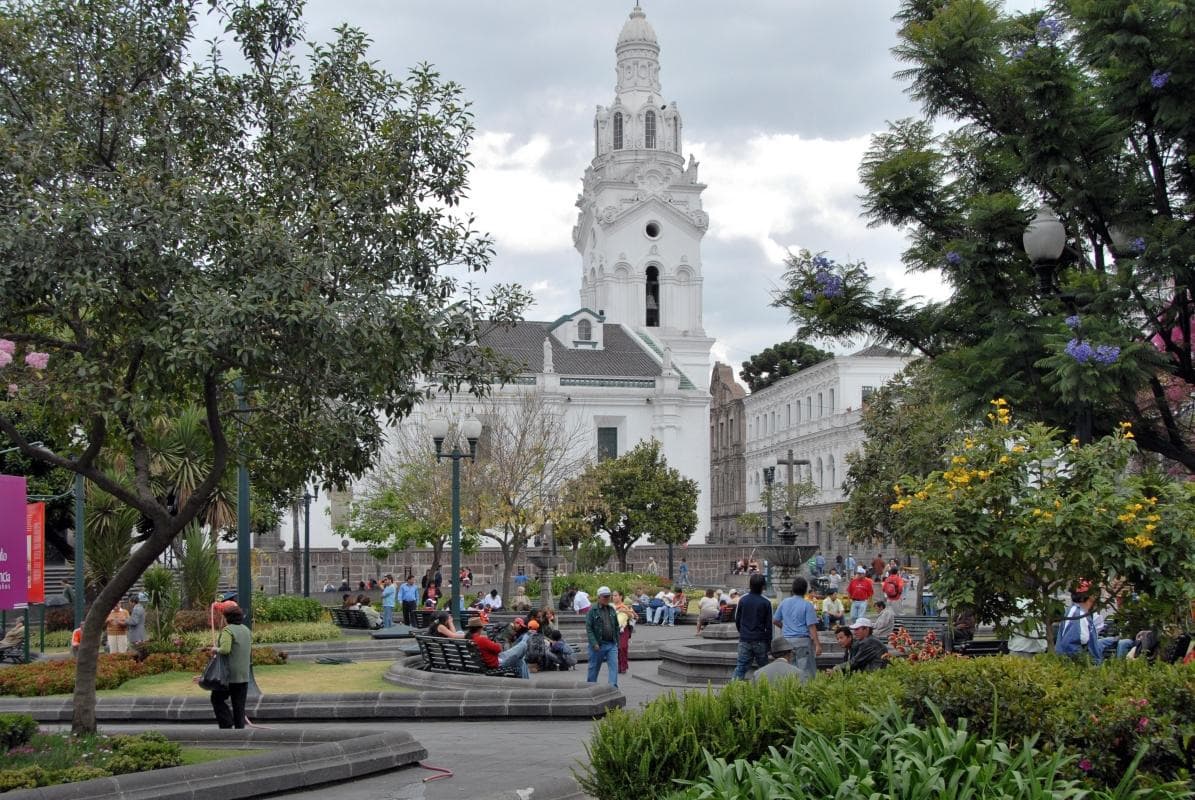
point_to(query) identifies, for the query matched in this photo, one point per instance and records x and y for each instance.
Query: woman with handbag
(234, 643)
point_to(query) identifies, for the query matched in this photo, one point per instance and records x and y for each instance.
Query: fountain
(545, 561)
(711, 659)
(786, 558)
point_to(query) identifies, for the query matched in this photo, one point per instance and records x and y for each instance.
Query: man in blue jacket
(1077, 633)
(408, 595)
(753, 619)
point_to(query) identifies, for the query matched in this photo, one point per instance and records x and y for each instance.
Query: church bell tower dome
(640, 220)
(637, 30)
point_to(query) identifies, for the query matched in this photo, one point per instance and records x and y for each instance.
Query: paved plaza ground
(493, 759)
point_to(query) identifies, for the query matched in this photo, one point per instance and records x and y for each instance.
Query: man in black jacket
(753, 619)
(868, 653)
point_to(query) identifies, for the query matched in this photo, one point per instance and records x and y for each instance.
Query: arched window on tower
(653, 298)
(649, 130)
(617, 130)
(584, 331)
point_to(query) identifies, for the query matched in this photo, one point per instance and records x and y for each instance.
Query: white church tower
(640, 225)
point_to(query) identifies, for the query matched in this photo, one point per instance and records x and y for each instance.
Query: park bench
(13, 652)
(982, 647)
(456, 655)
(350, 618)
(918, 627)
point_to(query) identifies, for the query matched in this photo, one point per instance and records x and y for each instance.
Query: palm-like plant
(199, 567)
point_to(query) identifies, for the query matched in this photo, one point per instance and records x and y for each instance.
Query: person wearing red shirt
(492, 654)
(860, 590)
(879, 567)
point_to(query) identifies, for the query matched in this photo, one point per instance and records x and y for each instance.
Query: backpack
(892, 587)
(536, 648)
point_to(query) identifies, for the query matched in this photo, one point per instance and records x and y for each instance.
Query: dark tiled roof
(621, 355)
(879, 351)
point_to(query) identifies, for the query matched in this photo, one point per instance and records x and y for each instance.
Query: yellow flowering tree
(1019, 513)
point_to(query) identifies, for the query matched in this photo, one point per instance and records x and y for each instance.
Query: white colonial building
(814, 415)
(633, 361)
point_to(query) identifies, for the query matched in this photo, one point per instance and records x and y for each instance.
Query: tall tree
(631, 496)
(773, 363)
(406, 500)
(530, 450)
(1084, 106)
(169, 226)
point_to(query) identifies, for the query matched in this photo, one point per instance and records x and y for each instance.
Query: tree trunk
(83, 719)
(621, 552)
(510, 554)
(296, 556)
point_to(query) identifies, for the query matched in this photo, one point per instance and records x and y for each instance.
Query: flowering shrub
(58, 677)
(1003, 517)
(1007, 698)
(905, 645)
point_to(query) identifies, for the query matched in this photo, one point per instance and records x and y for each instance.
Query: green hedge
(1101, 715)
(286, 608)
(629, 583)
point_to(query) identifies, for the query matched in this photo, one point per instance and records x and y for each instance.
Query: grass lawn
(202, 755)
(297, 678)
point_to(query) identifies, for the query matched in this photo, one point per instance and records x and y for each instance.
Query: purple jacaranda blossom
(1072, 321)
(1051, 28)
(808, 296)
(821, 262)
(1137, 245)
(1158, 79)
(1106, 354)
(1019, 52)
(37, 360)
(1080, 350)
(953, 258)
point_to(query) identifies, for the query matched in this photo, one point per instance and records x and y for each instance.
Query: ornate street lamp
(309, 494)
(1045, 241)
(471, 429)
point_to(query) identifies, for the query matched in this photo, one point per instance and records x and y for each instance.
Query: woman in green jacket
(234, 642)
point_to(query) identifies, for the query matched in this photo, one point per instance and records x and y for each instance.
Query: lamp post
(309, 494)
(471, 428)
(1045, 241)
(768, 480)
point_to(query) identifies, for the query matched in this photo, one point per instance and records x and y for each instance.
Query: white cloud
(781, 191)
(526, 207)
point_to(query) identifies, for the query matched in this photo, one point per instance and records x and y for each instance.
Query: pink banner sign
(13, 587)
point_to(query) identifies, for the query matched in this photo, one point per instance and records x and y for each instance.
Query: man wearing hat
(601, 629)
(860, 590)
(492, 654)
(868, 653)
(509, 635)
(781, 666)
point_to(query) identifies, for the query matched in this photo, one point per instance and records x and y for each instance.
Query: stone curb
(485, 699)
(350, 755)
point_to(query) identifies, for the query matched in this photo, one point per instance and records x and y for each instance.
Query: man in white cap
(601, 629)
(860, 590)
(869, 653)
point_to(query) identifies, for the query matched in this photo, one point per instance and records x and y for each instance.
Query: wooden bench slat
(456, 655)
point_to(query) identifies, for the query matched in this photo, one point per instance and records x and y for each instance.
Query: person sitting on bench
(492, 654)
(15, 636)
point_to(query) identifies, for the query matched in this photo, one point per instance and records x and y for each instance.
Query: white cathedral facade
(633, 361)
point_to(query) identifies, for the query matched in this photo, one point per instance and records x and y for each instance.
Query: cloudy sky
(779, 99)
